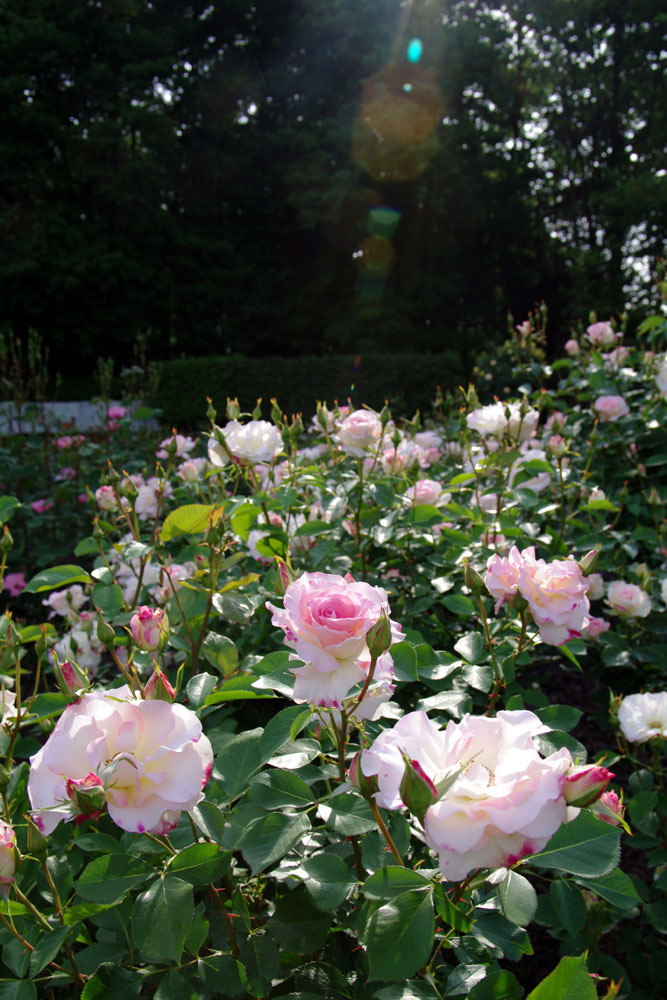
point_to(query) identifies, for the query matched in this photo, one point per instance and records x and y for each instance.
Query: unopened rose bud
(42, 645)
(654, 497)
(378, 638)
(37, 844)
(584, 785)
(276, 413)
(296, 427)
(557, 445)
(322, 415)
(87, 795)
(6, 542)
(233, 409)
(367, 786)
(149, 628)
(417, 790)
(9, 857)
(71, 678)
(211, 412)
(257, 412)
(158, 688)
(472, 579)
(105, 633)
(385, 414)
(284, 576)
(5, 777)
(588, 564)
(610, 808)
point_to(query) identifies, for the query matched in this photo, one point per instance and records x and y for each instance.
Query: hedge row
(407, 381)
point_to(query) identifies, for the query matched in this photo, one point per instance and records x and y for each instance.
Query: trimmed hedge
(407, 381)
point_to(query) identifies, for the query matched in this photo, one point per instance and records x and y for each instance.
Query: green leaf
(399, 936)
(518, 899)
(277, 789)
(200, 864)
(616, 887)
(587, 846)
(453, 915)
(46, 949)
(112, 980)
(269, 837)
(297, 924)
(18, 989)
(414, 989)
(109, 877)
(57, 576)
(236, 689)
(223, 975)
(328, 880)
(348, 814)
(199, 688)
(192, 519)
(221, 653)
(278, 730)
(238, 760)
(470, 647)
(568, 905)
(161, 917)
(501, 985)
(210, 821)
(561, 717)
(569, 981)
(108, 598)
(31, 633)
(459, 605)
(7, 507)
(502, 937)
(243, 519)
(313, 528)
(174, 987)
(392, 881)
(261, 959)
(405, 661)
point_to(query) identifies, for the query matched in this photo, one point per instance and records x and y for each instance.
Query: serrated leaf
(587, 846)
(392, 881)
(569, 981)
(271, 836)
(278, 730)
(453, 915)
(221, 653)
(238, 760)
(278, 789)
(297, 924)
(7, 507)
(561, 717)
(56, 576)
(199, 688)
(18, 989)
(459, 605)
(518, 899)
(348, 814)
(399, 936)
(470, 646)
(191, 519)
(173, 986)
(200, 864)
(328, 880)
(568, 905)
(109, 877)
(405, 661)
(46, 949)
(161, 917)
(210, 821)
(616, 887)
(111, 980)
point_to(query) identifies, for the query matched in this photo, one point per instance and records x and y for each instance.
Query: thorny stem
(385, 832)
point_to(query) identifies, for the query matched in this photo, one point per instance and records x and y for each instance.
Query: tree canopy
(291, 176)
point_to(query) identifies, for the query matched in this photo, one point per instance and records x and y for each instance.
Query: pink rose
(117, 412)
(360, 431)
(601, 335)
(585, 784)
(40, 506)
(150, 757)
(325, 620)
(181, 446)
(609, 808)
(106, 498)
(497, 801)
(556, 593)
(14, 583)
(610, 408)
(595, 628)
(502, 574)
(628, 599)
(572, 347)
(426, 491)
(150, 628)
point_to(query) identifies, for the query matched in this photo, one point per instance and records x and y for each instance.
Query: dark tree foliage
(206, 172)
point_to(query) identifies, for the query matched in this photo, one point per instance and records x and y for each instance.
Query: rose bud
(71, 678)
(472, 579)
(367, 786)
(9, 857)
(158, 687)
(150, 628)
(284, 576)
(37, 844)
(589, 562)
(610, 808)
(378, 638)
(584, 785)
(417, 790)
(87, 795)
